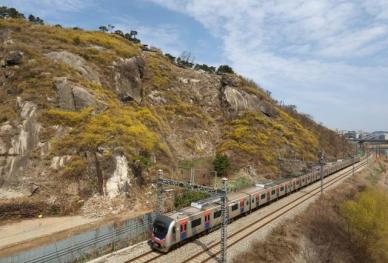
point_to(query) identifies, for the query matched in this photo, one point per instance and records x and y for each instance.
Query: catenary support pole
(224, 211)
(159, 192)
(322, 162)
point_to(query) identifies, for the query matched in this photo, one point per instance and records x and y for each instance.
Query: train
(173, 229)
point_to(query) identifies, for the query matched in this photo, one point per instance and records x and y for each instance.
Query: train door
(286, 189)
(183, 229)
(207, 219)
(277, 192)
(257, 199)
(268, 196)
(241, 206)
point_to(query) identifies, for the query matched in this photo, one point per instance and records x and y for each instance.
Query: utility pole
(159, 192)
(190, 186)
(354, 159)
(322, 163)
(224, 212)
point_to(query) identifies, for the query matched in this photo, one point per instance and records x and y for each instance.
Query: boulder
(231, 80)
(119, 182)
(73, 97)
(237, 100)
(82, 98)
(76, 62)
(14, 58)
(128, 76)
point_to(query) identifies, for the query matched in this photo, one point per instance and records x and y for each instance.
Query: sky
(327, 57)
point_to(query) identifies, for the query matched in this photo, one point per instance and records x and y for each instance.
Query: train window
(217, 214)
(282, 188)
(247, 202)
(196, 222)
(262, 196)
(234, 207)
(273, 192)
(253, 200)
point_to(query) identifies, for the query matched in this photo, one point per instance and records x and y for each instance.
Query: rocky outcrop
(28, 137)
(76, 62)
(73, 97)
(13, 58)
(22, 140)
(119, 182)
(58, 162)
(128, 74)
(235, 100)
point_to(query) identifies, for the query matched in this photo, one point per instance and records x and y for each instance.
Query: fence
(85, 245)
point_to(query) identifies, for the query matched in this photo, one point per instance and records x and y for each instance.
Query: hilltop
(85, 114)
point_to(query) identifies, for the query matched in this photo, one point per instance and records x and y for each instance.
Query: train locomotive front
(163, 233)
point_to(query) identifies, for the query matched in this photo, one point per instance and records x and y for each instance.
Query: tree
(110, 27)
(31, 18)
(170, 57)
(186, 60)
(133, 34)
(39, 21)
(224, 69)
(205, 67)
(6, 12)
(35, 20)
(221, 164)
(119, 32)
(103, 29)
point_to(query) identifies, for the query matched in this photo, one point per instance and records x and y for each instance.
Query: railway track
(212, 251)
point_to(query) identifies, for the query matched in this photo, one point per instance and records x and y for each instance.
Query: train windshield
(160, 229)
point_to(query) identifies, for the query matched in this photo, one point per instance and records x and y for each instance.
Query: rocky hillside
(85, 113)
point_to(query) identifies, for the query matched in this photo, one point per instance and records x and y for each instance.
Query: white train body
(177, 227)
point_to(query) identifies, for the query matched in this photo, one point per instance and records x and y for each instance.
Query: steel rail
(317, 191)
(337, 178)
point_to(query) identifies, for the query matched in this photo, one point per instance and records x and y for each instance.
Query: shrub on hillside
(6, 12)
(366, 217)
(221, 164)
(224, 69)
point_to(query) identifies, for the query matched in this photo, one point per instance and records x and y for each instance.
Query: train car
(238, 204)
(175, 228)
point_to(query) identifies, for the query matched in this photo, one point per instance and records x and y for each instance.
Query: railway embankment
(345, 225)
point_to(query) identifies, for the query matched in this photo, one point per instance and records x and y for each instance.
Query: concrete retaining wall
(83, 245)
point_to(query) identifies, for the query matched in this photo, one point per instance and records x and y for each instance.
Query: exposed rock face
(14, 58)
(76, 62)
(58, 162)
(23, 139)
(236, 100)
(128, 76)
(28, 137)
(73, 97)
(119, 182)
(239, 100)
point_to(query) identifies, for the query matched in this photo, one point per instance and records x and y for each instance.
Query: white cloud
(311, 53)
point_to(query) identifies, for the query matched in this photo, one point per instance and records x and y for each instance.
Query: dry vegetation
(349, 224)
(140, 130)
